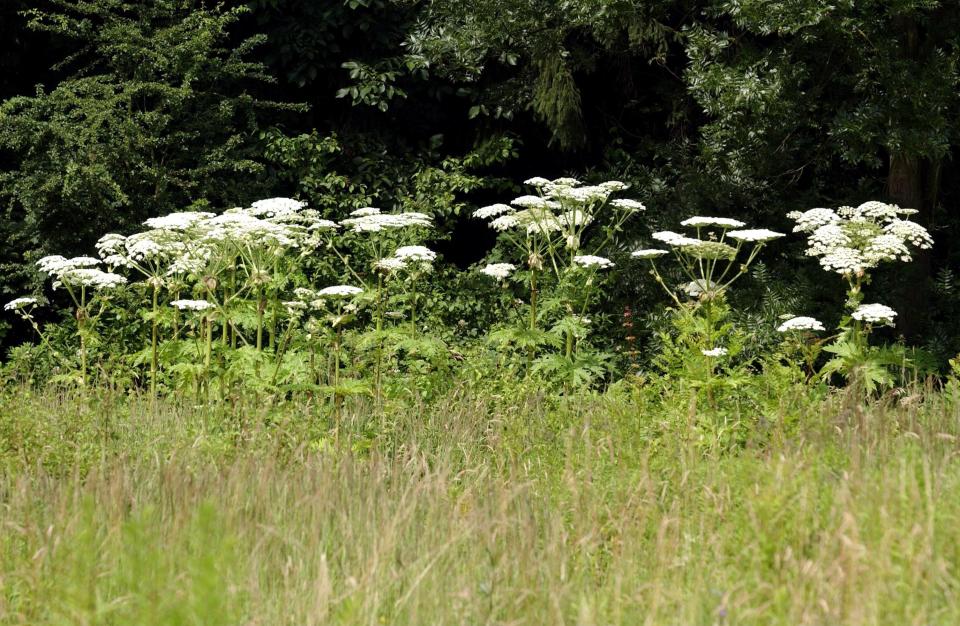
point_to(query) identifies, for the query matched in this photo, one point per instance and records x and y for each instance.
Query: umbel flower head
(339, 291)
(800, 323)
(649, 253)
(852, 240)
(874, 314)
(191, 305)
(415, 253)
(589, 260)
(500, 271)
(720, 222)
(20, 303)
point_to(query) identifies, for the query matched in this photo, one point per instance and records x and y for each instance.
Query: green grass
(477, 510)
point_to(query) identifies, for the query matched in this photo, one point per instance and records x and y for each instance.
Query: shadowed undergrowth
(476, 510)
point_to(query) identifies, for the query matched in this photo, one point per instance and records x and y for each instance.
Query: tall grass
(476, 511)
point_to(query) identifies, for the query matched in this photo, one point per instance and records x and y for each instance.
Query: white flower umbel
(493, 210)
(874, 314)
(844, 261)
(339, 291)
(56, 265)
(720, 222)
(911, 232)
(178, 221)
(626, 204)
(19, 303)
(274, 207)
(192, 305)
(714, 352)
(589, 260)
(675, 239)
(500, 271)
(110, 244)
(800, 323)
(530, 202)
(366, 211)
(755, 235)
(92, 278)
(614, 185)
(812, 219)
(504, 223)
(415, 253)
(648, 253)
(391, 264)
(387, 221)
(537, 181)
(886, 247)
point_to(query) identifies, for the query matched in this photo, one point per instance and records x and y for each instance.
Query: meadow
(477, 509)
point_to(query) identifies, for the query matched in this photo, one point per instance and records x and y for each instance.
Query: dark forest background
(114, 111)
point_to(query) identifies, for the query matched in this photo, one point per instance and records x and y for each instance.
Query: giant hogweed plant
(226, 296)
(555, 238)
(851, 241)
(716, 253)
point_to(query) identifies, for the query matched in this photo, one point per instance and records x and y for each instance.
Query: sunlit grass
(594, 511)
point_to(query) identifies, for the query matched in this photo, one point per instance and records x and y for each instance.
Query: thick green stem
(154, 360)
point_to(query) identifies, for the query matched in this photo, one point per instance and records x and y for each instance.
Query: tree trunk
(913, 183)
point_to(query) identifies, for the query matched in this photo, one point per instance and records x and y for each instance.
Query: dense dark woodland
(115, 111)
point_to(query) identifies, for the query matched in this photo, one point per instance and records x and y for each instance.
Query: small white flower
(809, 221)
(886, 247)
(722, 222)
(627, 204)
(55, 265)
(714, 352)
(110, 244)
(675, 239)
(800, 323)
(912, 232)
(191, 305)
(339, 291)
(614, 185)
(874, 314)
(19, 303)
(93, 278)
(415, 253)
(493, 211)
(649, 253)
(565, 182)
(757, 235)
(177, 221)
(366, 211)
(843, 260)
(583, 195)
(272, 207)
(500, 271)
(537, 181)
(390, 264)
(320, 224)
(589, 260)
(504, 222)
(528, 202)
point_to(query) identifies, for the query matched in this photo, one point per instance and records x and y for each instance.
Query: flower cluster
(500, 271)
(19, 303)
(800, 323)
(874, 314)
(191, 305)
(564, 209)
(852, 240)
(709, 256)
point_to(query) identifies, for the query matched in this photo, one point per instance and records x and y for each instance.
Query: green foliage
(154, 114)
